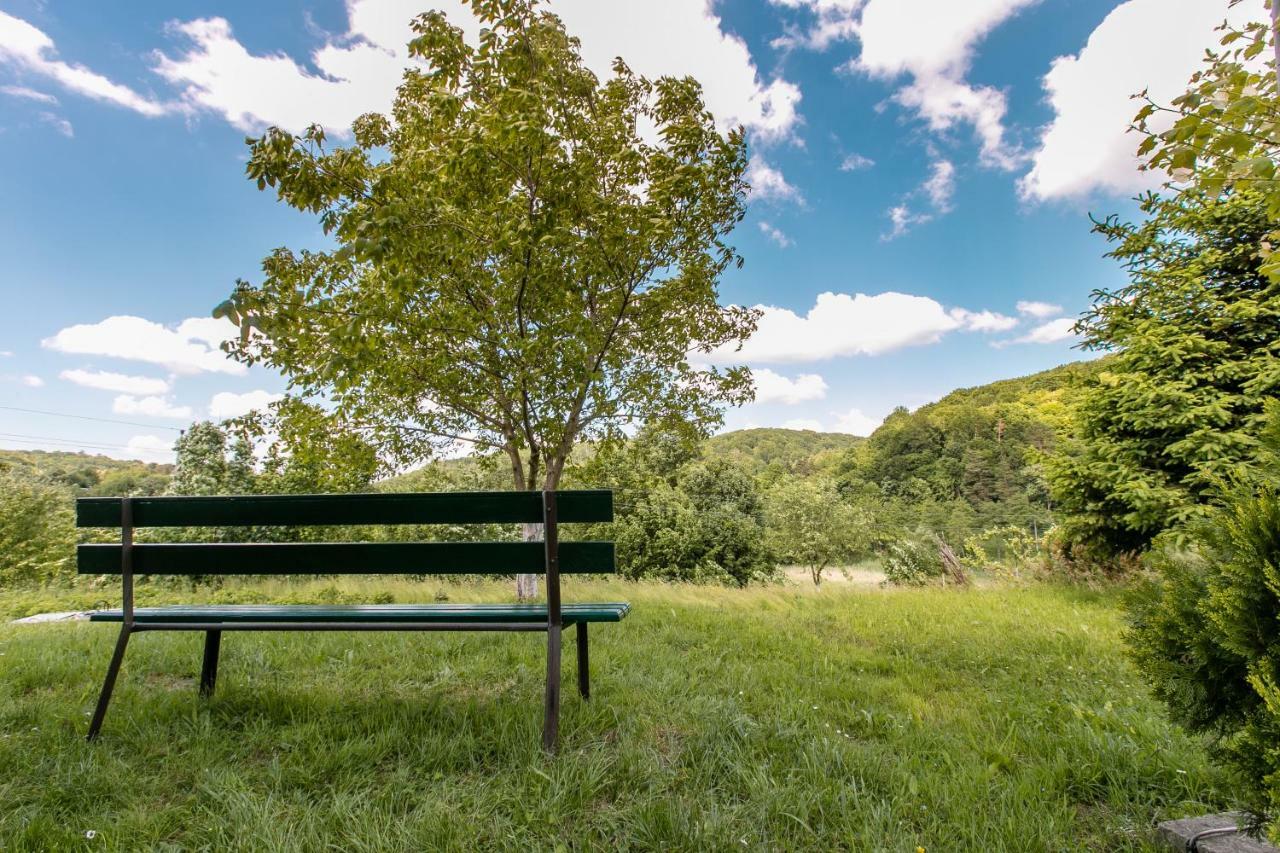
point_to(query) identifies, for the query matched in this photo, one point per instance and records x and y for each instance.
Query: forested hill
(86, 473)
(972, 458)
(791, 451)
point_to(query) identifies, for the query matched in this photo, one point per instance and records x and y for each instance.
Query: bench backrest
(231, 558)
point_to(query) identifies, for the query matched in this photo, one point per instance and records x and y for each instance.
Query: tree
(1178, 408)
(1223, 133)
(810, 525)
(526, 256)
(1206, 633)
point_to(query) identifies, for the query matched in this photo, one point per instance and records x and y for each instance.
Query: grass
(989, 719)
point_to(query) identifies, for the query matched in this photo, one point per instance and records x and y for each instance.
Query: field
(782, 718)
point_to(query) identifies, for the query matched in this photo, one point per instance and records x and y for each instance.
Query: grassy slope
(1002, 719)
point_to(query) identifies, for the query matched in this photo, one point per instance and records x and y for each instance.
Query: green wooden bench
(550, 557)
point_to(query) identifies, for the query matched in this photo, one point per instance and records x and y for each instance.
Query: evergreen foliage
(1206, 633)
(1178, 407)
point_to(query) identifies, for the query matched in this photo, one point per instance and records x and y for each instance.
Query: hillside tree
(526, 255)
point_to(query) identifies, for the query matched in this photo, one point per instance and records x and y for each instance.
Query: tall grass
(991, 719)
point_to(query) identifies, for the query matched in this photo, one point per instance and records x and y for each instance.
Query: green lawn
(851, 718)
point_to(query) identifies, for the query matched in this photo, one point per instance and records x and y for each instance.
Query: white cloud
(775, 388)
(840, 324)
(855, 422)
(930, 41)
(120, 382)
(211, 331)
(803, 423)
(225, 404)
(184, 351)
(983, 321)
(28, 93)
(6, 353)
(854, 162)
(1142, 44)
(154, 407)
(32, 381)
(775, 234)
(768, 184)
(29, 49)
(940, 185)
(1039, 310)
(58, 123)
(902, 219)
(148, 448)
(1052, 332)
(359, 70)
(938, 189)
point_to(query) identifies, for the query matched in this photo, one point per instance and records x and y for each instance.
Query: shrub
(37, 533)
(1206, 633)
(911, 563)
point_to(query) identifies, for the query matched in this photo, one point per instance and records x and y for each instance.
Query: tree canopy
(526, 256)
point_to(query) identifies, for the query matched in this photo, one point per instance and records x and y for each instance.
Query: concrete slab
(1177, 834)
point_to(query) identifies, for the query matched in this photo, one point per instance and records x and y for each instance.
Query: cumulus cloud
(186, 350)
(32, 381)
(120, 382)
(775, 234)
(854, 162)
(840, 324)
(29, 49)
(226, 404)
(937, 190)
(775, 388)
(359, 70)
(931, 42)
(1142, 44)
(809, 424)
(1052, 332)
(148, 448)
(154, 407)
(769, 184)
(856, 422)
(1039, 310)
(983, 321)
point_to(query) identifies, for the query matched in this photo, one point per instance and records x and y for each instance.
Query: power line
(39, 439)
(88, 418)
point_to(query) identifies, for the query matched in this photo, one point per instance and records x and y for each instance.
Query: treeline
(728, 509)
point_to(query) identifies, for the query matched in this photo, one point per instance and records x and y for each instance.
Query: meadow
(781, 718)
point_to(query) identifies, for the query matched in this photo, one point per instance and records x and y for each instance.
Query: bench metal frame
(554, 627)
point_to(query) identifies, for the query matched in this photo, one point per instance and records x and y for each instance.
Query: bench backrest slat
(378, 508)
(281, 558)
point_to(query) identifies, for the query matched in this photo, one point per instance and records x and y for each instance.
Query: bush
(1206, 633)
(709, 529)
(911, 563)
(37, 532)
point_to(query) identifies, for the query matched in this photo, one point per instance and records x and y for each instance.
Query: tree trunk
(951, 563)
(1275, 34)
(527, 585)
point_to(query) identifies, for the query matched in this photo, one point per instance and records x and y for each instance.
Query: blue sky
(923, 171)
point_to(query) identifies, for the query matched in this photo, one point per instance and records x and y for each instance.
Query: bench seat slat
(376, 508)
(345, 558)
(388, 613)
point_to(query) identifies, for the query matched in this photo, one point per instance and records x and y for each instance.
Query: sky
(923, 174)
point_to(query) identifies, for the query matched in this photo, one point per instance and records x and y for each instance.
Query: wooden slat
(345, 558)
(376, 508)
(389, 613)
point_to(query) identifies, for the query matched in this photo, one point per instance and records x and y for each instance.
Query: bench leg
(551, 718)
(209, 670)
(113, 669)
(584, 663)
